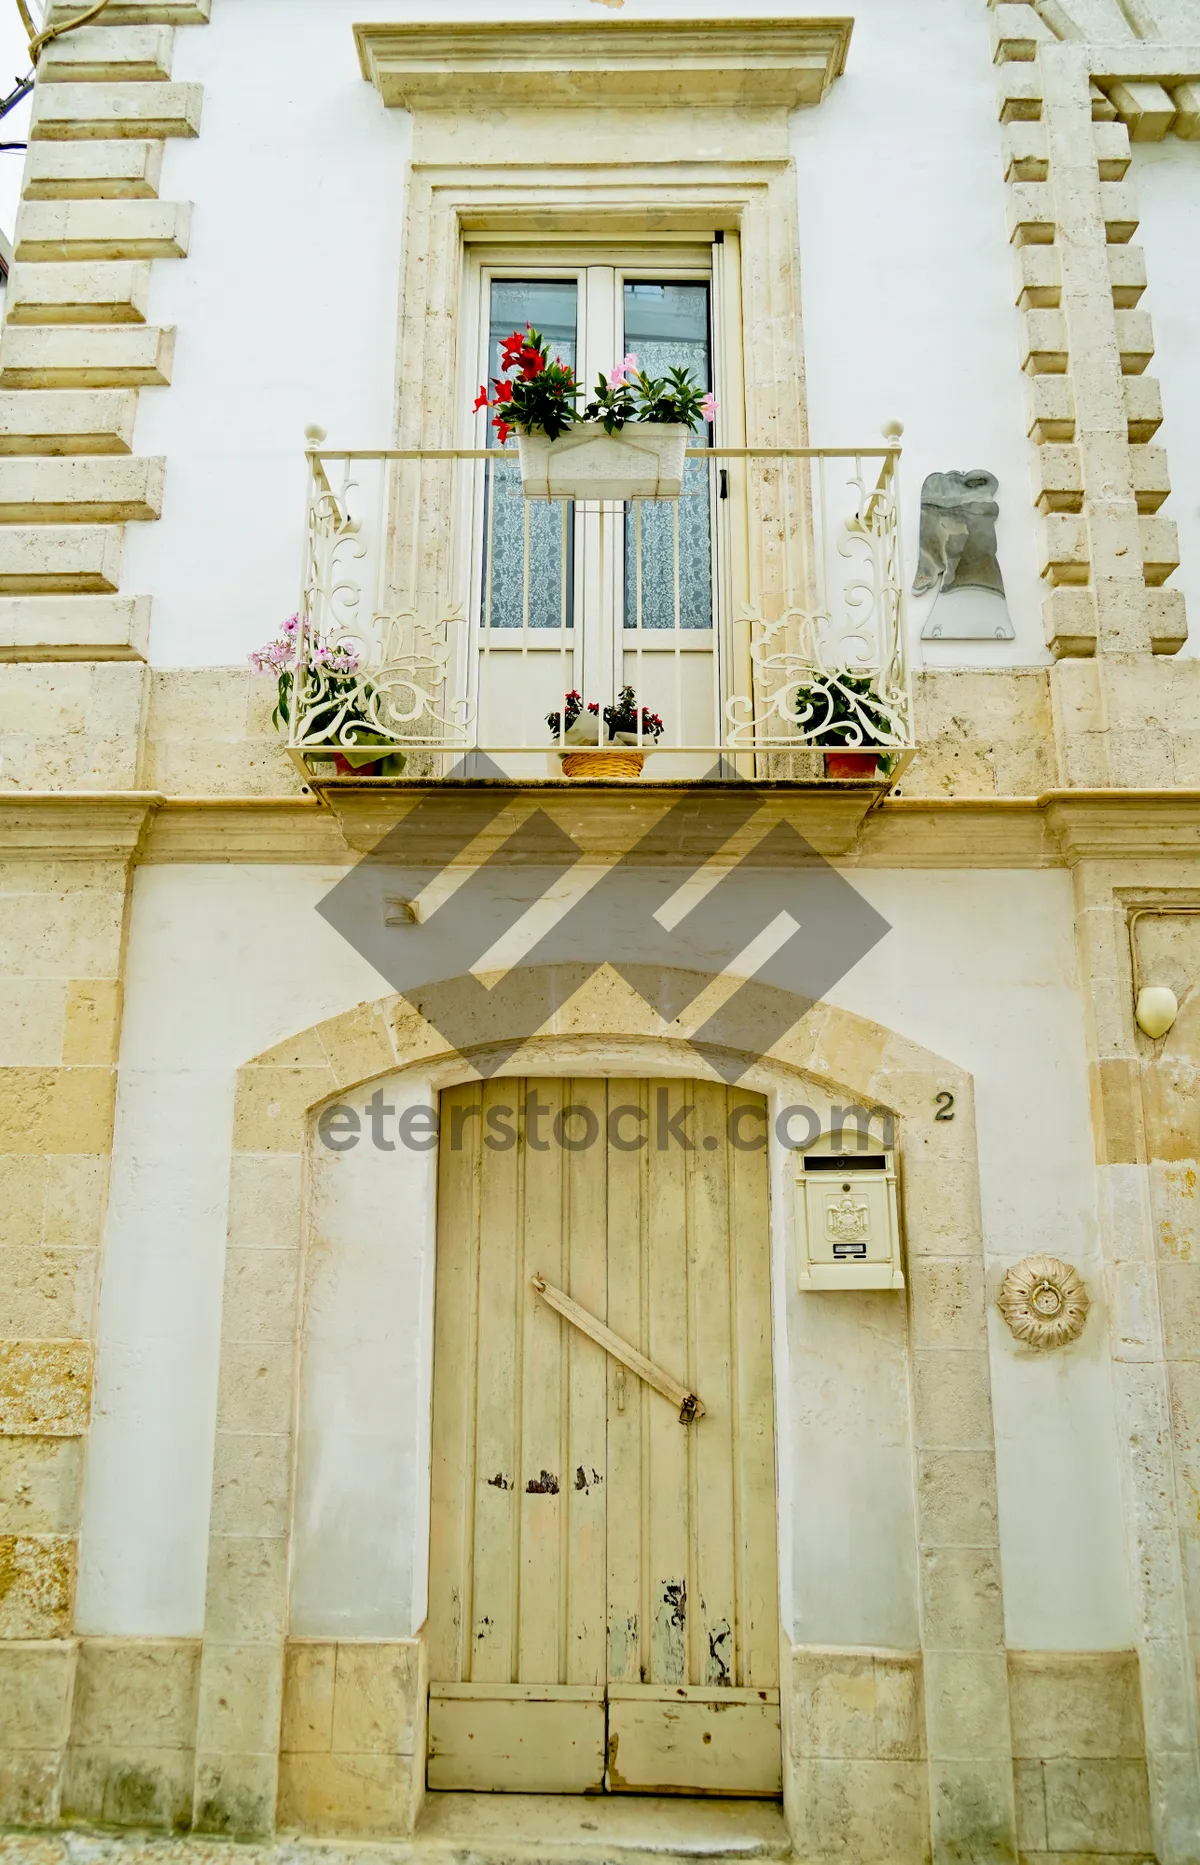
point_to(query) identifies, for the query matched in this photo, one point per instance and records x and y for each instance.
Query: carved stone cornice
(79, 825)
(760, 63)
(1124, 825)
(846, 823)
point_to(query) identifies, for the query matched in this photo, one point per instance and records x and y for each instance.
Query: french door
(603, 1601)
(597, 596)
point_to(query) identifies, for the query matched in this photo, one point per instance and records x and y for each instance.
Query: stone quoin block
(1039, 277)
(82, 230)
(51, 421)
(1143, 407)
(70, 627)
(64, 112)
(124, 356)
(99, 53)
(138, 12)
(1050, 403)
(95, 293)
(43, 559)
(1127, 271)
(92, 171)
(103, 490)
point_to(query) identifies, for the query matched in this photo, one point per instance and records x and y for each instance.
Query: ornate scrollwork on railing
(834, 675)
(397, 693)
(776, 624)
(372, 681)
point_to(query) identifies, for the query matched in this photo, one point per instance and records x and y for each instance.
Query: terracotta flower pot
(603, 763)
(851, 763)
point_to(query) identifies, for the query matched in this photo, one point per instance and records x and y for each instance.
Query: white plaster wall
(1167, 178)
(907, 282)
(361, 1524)
(222, 963)
(225, 961)
(981, 969)
(287, 303)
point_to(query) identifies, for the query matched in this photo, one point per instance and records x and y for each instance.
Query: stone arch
(604, 1026)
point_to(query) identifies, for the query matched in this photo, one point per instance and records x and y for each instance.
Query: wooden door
(603, 1601)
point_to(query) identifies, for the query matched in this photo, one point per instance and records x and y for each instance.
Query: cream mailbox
(847, 1227)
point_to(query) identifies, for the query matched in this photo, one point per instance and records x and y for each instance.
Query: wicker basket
(603, 763)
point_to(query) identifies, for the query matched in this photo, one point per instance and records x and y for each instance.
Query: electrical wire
(38, 40)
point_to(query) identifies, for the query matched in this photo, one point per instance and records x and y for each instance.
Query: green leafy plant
(843, 711)
(539, 397)
(623, 717)
(327, 687)
(628, 394)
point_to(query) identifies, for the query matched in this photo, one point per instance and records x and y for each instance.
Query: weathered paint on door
(603, 1601)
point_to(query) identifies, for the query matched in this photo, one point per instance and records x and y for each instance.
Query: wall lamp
(1155, 1005)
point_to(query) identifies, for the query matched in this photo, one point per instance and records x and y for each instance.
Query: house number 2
(945, 1105)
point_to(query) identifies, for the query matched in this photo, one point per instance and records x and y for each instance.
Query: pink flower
(708, 407)
(628, 366)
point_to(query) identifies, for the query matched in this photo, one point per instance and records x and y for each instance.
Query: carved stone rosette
(1044, 1301)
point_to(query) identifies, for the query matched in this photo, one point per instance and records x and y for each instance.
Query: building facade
(675, 1280)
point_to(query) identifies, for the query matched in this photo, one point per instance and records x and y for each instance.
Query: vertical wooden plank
(451, 1525)
(671, 1581)
(712, 1498)
(542, 1503)
(498, 1456)
(583, 1551)
(627, 1398)
(754, 1407)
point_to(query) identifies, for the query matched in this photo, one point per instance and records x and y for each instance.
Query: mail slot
(847, 1221)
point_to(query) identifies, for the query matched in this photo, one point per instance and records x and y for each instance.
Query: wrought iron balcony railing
(760, 615)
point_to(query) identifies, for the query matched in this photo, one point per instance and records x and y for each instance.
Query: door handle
(690, 1407)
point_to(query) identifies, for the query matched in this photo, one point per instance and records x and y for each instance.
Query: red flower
(481, 400)
(512, 347)
(504, 392)
(503, 431)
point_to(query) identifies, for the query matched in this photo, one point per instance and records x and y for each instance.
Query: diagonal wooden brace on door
(690, 1407)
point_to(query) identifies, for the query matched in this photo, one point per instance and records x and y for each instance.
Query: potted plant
(629, 443)
(578, 723)
(842, 713)
(330, 689)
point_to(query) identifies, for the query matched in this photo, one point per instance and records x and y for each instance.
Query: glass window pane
(516, 529)
(667, 327)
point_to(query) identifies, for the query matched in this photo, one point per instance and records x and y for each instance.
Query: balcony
(445, 618)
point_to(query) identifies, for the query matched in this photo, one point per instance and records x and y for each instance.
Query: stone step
(96, 357)
(60, 628)
(85, 230)
(44, 559)
(96, 292)
(68, 111)
(80, 491)
(65, 421)
(93, 171)
(95, 54)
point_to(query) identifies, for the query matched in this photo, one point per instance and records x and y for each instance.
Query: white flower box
(643, 461)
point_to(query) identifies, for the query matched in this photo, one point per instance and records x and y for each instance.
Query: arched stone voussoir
(576, 1017)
